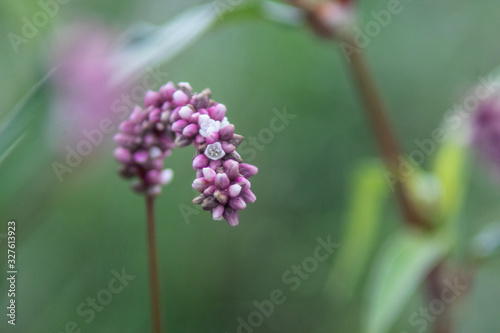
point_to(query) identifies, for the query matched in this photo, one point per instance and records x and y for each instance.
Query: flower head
(176, 117)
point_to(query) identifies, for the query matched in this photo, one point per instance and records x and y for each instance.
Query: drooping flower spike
(176, 117)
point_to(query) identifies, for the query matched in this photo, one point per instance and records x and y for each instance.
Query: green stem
(153, 267)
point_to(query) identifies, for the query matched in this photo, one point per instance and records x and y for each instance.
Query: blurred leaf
(144, 45)
(401, 266)
(15, 122)
(283, 13)
(426, 190)
(449, 167)
(369, 191)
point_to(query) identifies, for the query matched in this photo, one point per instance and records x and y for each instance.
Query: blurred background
(79, 225)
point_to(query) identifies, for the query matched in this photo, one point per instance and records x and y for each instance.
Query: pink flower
(177, 117)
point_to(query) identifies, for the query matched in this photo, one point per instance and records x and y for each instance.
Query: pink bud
(231, 167)
(199, 184)
(152, 98)
(179, 98)
(167, 90)
(209, 174)
(155, 115)
(179, 125)
(227, 147)
(231, 216)
(221, 180)
(229, 163)
(210, 190)
(217, 212)
(152, 176)
(190, 130)
(174, 116)
(237, 203)
(141, 156)
(194, 118)
(248, 170)
(186, 112)
(248, 195)
(123, 140)
(157, 163)
(128, 127)
(149, 139)
(226, 133)
(213, 137)
(221, 196)
(243, 181)
(199, 138)
(123, 155)
(217, 112)
(137, 115)
(200, 161)
(234, 190)
(166, 176)
(214, 164)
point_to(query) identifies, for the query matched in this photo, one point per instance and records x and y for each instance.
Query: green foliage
(399, 269)
(449, 167)
(367, 199)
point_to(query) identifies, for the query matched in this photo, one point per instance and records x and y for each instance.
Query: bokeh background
(72, 234)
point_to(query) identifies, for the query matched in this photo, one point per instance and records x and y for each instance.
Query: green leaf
(402, 264)
(362, 225)
(449, 168)
(143, 45)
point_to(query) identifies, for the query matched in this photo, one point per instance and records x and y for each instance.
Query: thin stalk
(384, 135)
(442, 322)
(390, 152)
(153, 267)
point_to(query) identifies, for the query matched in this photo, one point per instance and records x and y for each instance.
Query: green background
(71, 235)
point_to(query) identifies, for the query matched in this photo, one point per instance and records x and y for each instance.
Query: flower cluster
(176, 117)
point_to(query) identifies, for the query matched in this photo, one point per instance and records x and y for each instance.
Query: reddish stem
(153, 267)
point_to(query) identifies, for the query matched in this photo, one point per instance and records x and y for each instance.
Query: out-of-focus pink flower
(486, 132)
(81, 83)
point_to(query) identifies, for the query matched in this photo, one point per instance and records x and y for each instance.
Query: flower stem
(385, 137)
(442, 323)
(153, 267)
(390, 152)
